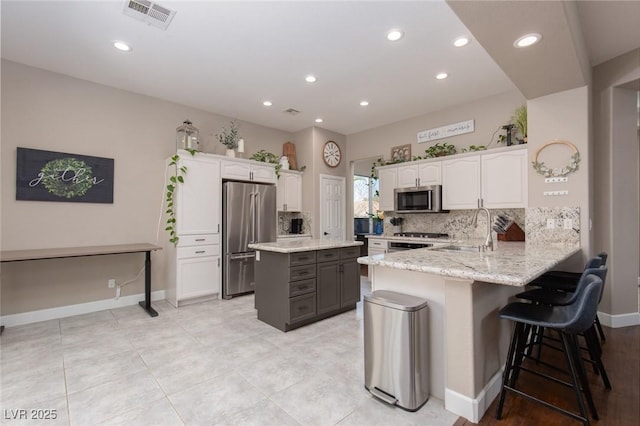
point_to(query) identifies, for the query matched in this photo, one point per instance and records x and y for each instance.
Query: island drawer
(328, 255)
(302, 308)
(302, 258)
(349, 252)
(302, 272)
(298, 288)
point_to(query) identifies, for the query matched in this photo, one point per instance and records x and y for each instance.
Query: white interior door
(332, 207)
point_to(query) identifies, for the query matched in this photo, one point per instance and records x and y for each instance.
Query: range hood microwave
(420, 199)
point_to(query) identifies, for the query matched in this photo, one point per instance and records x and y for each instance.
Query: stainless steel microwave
(421, 199)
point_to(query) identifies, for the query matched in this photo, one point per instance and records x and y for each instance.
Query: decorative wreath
(63, 177)
(545, 171)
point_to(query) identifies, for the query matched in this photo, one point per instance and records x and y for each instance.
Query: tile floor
(211, 363)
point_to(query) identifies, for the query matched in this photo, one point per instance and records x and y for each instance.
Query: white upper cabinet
(387, 183)
(198, 200)
(248, 171)
(498, 180)
(289, 191)
(461, 183)
(504, 179)
(423, 174)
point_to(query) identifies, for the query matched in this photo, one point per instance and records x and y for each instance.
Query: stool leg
(600, 330)
(509, 364)
(582, 374)
(595, 352)
(570, 354)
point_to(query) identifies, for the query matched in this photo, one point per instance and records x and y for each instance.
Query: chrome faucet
(488, 244)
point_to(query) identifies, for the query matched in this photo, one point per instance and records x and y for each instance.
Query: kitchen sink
(466, 249)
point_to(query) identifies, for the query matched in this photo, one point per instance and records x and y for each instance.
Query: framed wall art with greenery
(59, 176)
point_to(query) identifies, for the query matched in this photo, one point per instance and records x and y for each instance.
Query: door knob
(325, 233)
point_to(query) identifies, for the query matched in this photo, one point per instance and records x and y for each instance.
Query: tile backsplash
(284, 222)
(536, 222)
(456, 223)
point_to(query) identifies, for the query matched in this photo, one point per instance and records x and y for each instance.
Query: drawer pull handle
(303, 258)
(200, 251)
(304, 272)
(303, 287)
(199, 239)
(302, 308)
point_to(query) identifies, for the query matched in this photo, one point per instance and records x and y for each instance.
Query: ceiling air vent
(291, 111)
(149, 12)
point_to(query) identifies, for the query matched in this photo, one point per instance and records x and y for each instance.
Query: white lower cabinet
(194, 277)
(196, 270)
(376, 246)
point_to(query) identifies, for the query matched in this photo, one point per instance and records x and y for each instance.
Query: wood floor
(619, 406)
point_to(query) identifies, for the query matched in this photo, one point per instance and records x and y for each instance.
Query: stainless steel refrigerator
(248, 216)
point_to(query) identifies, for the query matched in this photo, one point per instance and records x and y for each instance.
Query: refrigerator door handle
(242, 256)
(252, 209)
(257, 219)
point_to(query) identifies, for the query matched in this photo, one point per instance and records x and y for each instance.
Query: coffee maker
(296, 226)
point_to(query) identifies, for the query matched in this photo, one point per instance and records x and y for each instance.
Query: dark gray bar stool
(568, 321)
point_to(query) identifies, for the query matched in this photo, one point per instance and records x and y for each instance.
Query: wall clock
(331, 154)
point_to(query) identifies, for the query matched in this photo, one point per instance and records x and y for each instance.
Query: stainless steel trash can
(396, 349)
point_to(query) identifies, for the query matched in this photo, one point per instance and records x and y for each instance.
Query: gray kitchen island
(300, 282)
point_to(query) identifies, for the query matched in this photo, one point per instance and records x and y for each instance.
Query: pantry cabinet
(289, 191)
(193, 265)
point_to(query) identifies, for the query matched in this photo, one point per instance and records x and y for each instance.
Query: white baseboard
(81, 308)
(473, 409)
(620, 320)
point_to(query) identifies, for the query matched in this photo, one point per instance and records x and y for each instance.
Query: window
(366, 198)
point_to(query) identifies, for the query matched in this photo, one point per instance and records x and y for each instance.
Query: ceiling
(228, 57)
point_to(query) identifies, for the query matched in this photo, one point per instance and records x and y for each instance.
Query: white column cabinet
(289, 191)
(248, 170)
(498, 179)
(387, 183)
(194, 265)
(423, 174)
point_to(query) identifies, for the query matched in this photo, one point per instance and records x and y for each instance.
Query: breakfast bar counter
(465, 289)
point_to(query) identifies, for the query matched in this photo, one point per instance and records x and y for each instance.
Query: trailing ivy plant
(268, 157)
(174, 181)
(440, 150)
(473, 148)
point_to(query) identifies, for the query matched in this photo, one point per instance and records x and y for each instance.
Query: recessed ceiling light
(442, 76)
(364, 103)
(394, 35)
(527, 40)
(319, 120)
(461, 41)
(310, 78)
(121, 45)
(267, 103)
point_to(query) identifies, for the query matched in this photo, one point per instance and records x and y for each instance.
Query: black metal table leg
(146, 303)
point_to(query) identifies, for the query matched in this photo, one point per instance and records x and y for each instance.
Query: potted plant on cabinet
(229, 137)
(520, 122)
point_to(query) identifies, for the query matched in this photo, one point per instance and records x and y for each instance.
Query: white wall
(49, 111)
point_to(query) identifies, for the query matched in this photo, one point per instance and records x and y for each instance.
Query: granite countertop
(511, 263)
(303, 245)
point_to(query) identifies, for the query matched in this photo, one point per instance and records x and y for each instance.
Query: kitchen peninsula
(302, 281)
(465, 290)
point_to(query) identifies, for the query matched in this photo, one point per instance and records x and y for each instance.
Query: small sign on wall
(446, 131)
(58, 176)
